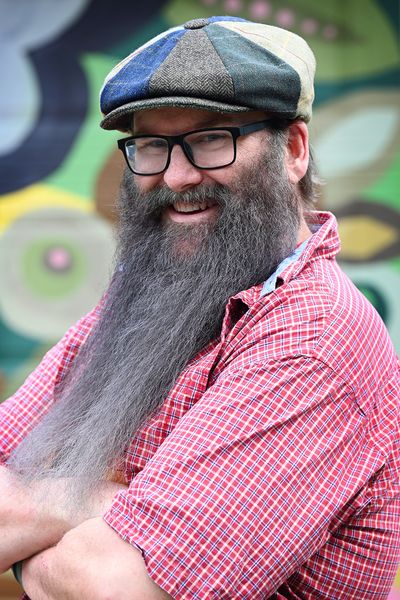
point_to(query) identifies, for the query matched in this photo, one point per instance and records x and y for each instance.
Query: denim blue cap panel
(224, 64)
(132, 80)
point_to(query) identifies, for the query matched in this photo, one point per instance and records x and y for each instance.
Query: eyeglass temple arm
(254, 126)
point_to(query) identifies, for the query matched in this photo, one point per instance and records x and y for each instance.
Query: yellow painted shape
(16, 204)
(364, 236)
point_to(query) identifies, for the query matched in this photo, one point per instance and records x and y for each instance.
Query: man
(225, 423)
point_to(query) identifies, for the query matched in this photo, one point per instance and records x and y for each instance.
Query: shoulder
(321, 316)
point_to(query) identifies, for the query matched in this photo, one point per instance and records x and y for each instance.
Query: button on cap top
(196, 24)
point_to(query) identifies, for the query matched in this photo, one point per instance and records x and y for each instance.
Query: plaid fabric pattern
(272, 469)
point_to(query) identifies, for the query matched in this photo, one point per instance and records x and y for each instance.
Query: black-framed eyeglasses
(212, 148)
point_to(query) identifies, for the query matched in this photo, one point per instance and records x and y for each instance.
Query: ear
(297, 154)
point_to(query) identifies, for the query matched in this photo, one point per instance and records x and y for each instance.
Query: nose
(181, 175)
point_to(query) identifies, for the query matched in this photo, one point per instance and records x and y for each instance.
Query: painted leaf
(362, 237)
(350, 39)
(368, 231)
(355, 140)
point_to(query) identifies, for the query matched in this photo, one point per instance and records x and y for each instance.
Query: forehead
(178, 120)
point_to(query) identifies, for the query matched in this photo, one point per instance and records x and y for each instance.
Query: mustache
(155, 201)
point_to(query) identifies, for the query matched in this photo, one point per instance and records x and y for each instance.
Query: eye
(150, 145)
(214, 136)
(210, 139)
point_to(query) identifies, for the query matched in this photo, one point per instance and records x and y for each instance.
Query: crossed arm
(291, 450)
(68, 557)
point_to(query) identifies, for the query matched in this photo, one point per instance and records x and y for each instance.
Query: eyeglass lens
(206, 149)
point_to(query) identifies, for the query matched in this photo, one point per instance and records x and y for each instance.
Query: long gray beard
(165, 303)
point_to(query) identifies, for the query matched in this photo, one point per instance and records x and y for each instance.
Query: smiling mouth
(196, 207)
(185, 212)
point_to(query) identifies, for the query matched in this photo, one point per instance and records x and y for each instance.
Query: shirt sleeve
(251, 483)
(20, 413)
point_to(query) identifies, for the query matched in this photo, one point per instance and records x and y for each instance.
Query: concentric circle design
(55, 263)
(53, 268)
(58, 258)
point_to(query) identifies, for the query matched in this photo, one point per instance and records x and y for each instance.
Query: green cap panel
(262, 80)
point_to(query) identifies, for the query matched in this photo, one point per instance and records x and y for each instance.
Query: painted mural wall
(59, 171)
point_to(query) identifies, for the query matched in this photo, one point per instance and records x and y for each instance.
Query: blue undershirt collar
(270, 285)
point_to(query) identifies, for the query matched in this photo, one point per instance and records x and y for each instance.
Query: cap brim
(121, 118)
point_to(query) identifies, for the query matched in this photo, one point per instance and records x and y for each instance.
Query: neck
(304, 231)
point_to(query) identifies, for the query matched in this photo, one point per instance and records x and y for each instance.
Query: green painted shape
(146, 33)
(370, 47)
(20, 371)
(52, 284)
(177, 12)
(366, 42)
(395, 262)
(14, 348)
(387, 186)
(78, 172)
(283, 98)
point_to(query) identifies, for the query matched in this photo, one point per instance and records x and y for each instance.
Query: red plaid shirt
(272, 469)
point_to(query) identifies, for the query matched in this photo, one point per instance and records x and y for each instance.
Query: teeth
(188, 208)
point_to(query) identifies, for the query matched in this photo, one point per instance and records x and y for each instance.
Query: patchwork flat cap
(224, 64)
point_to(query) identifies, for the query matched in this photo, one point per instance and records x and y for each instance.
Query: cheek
(145, 184)
(223, 176)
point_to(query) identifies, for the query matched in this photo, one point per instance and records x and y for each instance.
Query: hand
(29, 525)
(90, 562)
(17, 518)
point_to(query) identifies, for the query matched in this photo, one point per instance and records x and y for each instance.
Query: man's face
(181, 176)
